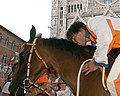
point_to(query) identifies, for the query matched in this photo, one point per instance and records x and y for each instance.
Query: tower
(58, 18)
(65, 12)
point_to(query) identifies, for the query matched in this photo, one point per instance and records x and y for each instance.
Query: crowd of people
(51, 82)
(4, 85)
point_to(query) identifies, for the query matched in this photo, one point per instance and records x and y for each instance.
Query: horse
(40, 54)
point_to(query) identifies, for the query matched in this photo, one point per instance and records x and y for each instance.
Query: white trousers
(113, 75)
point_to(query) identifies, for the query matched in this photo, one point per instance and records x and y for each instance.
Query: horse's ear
(39, 35)
(32, 32)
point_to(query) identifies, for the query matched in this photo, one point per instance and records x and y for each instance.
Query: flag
(11, 61)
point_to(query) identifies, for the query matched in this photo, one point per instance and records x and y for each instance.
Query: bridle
(27, 79)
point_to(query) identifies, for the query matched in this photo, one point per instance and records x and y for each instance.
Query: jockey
(104, 33)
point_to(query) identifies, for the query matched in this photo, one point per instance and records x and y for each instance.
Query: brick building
(9, 44)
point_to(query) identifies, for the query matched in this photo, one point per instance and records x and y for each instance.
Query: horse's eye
(22, 54)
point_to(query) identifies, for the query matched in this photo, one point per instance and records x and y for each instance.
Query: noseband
(27, 79)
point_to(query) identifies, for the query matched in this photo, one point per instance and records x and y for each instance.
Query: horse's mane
(68, 46)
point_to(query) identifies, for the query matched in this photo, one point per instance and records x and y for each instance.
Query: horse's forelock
(23, 55)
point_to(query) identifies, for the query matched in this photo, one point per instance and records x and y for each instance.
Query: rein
(79, 73)
(27, 79)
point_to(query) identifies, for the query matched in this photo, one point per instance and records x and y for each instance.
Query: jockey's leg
(114, 78)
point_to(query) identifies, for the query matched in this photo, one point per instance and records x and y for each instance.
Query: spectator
(1, 81)
(5, 91)
(58, 87)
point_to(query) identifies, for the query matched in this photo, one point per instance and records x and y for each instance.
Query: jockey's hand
(89, 67)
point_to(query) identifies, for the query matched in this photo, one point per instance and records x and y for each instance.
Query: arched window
(4, 59)
(61, 12)
(106, 1)
(75, 9)
(69, 9)
(0, 38)
(13, 45)
(18, 48)
(6, 42)
(61, 16)
(80, 6)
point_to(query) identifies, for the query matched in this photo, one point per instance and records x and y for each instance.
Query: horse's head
(27, 67)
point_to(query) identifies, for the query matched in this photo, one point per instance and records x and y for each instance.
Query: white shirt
(104, 35)
(5, 88)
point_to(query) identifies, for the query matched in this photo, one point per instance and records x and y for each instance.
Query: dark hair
(74, 28)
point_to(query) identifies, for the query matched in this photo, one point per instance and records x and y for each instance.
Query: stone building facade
(65, 12)
(9, 44)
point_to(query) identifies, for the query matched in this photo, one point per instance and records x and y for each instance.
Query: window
(61, 8)
(69, 9)
(106, 1)
(75, 8)
(6, 42)
(61, 12)
(80, 6)
(18, 48)
(13, 45)
(4, 59)
(61, 22)
(0, 38)
(61, 16)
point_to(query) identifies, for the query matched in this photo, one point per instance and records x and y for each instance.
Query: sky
(18, 16)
